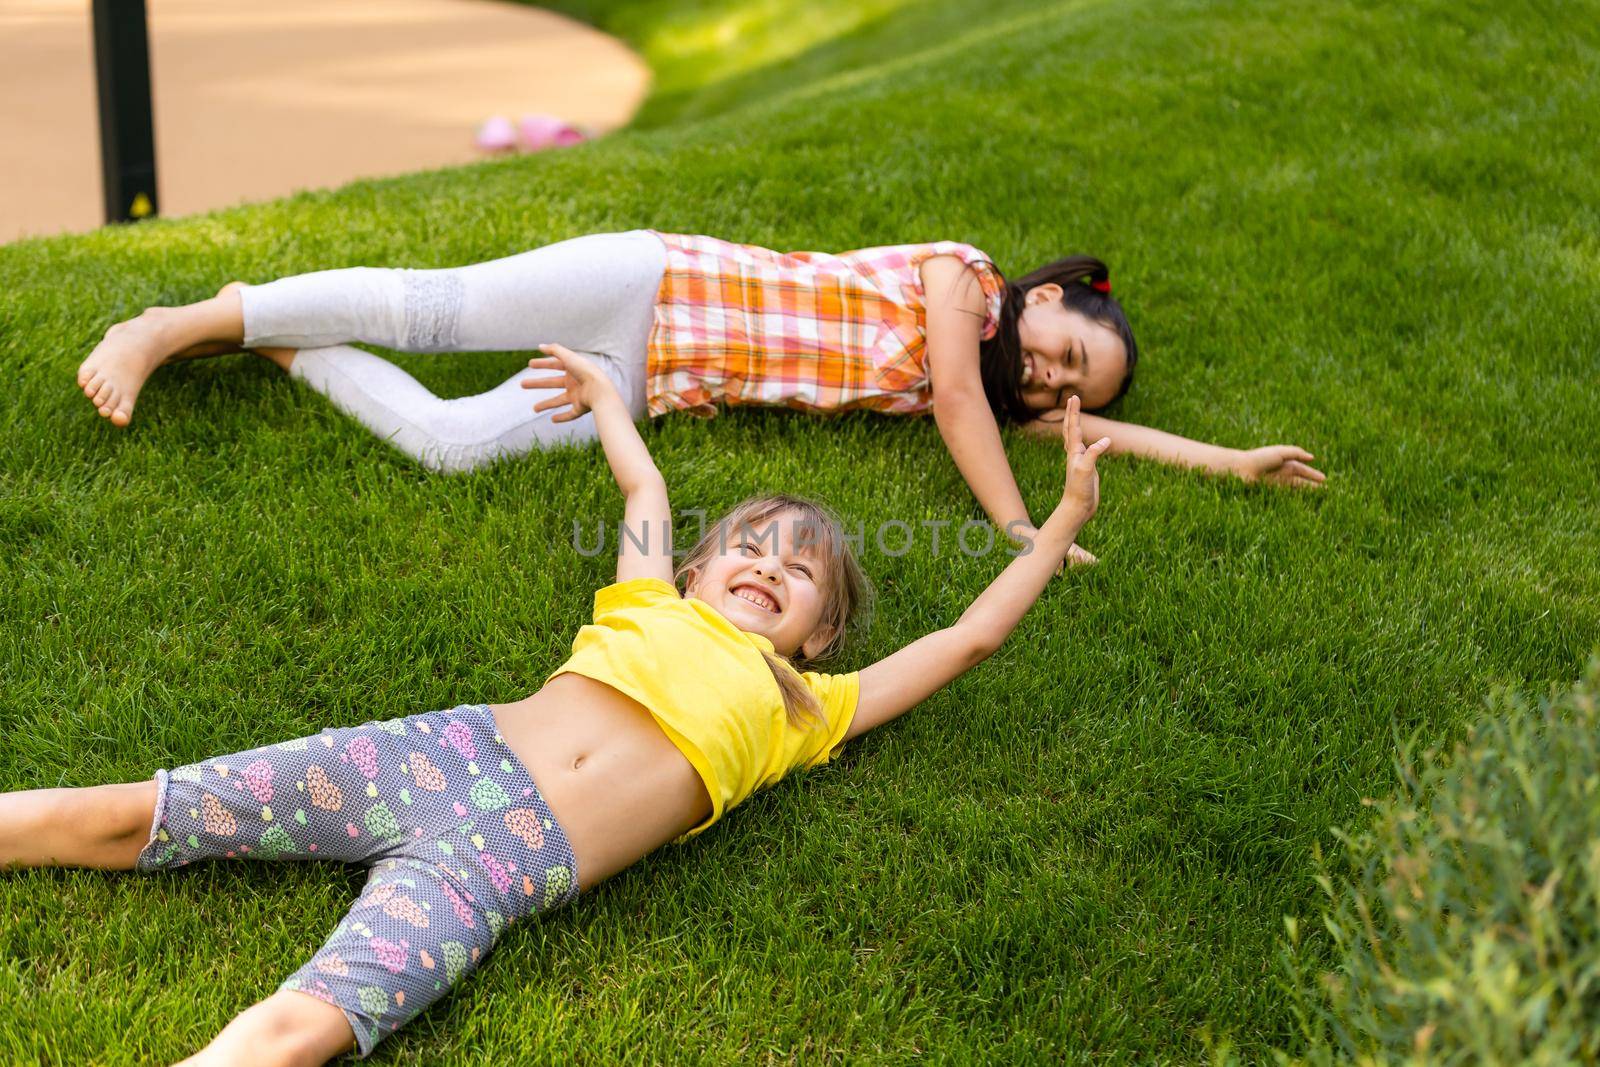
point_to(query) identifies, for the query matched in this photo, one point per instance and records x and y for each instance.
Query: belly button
(577, 764)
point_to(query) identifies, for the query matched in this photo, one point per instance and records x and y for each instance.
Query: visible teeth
(756, 597)
(1027, 370)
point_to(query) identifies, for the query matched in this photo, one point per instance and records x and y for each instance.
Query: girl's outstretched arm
(954, 323)
(955, 310)
(1281, 464)
(899, 682)
(644, 544)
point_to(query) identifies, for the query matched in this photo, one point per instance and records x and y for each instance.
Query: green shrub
(1465, 921)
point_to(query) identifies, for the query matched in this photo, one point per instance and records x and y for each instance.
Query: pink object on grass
(546, 131)
(497, 134)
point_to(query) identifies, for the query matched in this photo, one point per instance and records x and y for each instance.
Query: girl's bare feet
(131, 351)
(119, 365)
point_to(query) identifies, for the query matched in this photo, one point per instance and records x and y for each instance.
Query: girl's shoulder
(958, 258)
(915, 253)
(947, 271)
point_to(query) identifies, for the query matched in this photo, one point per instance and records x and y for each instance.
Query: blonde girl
(691, 323)
(673, 708)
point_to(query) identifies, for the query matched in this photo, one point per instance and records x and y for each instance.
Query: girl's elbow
(975, 648)
(645, 485)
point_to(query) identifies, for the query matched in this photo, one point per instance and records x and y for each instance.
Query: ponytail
(799, 702)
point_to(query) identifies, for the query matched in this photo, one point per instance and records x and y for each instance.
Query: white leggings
(593, 294)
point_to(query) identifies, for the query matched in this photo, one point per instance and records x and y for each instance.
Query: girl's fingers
(1294, 468)
(1300, 474)
(1074, 432)
(1081, 465)
(544, 383)
(552, 402)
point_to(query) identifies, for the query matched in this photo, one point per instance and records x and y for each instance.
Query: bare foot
(131, 351)
(121, 363)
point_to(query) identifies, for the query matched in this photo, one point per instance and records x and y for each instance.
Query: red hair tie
(1101, 286)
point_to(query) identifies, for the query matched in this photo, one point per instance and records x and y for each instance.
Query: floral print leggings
(459, 842)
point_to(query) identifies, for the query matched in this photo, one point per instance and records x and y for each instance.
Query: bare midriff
(614, 781)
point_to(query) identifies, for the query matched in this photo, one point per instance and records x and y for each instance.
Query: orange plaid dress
(738, 324)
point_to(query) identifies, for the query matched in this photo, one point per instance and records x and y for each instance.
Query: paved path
(255, 99)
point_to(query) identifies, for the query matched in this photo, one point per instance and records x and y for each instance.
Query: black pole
(127, 135)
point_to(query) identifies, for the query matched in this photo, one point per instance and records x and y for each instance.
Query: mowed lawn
(1365, 228)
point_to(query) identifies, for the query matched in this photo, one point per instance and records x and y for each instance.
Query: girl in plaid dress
(691, 323)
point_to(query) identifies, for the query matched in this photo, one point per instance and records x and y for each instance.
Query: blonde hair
(846, 592)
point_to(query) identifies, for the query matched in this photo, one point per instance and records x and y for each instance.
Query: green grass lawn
(1365, 228)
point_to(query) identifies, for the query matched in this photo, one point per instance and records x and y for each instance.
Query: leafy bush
(1465, 922)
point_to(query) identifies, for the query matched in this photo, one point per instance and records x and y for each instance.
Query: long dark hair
(1000, 357)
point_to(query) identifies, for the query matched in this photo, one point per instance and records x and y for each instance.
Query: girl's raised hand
(1279, 464)
(1082, 490)
(582, 383)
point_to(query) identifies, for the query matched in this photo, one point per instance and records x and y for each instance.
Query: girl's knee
(461, 423)
(124, 815)
(133, 805)
(460, 435)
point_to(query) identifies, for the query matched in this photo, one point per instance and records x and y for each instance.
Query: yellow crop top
(708, 687)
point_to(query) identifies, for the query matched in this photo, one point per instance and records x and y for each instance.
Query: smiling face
(768, 579)
(1066, 354)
